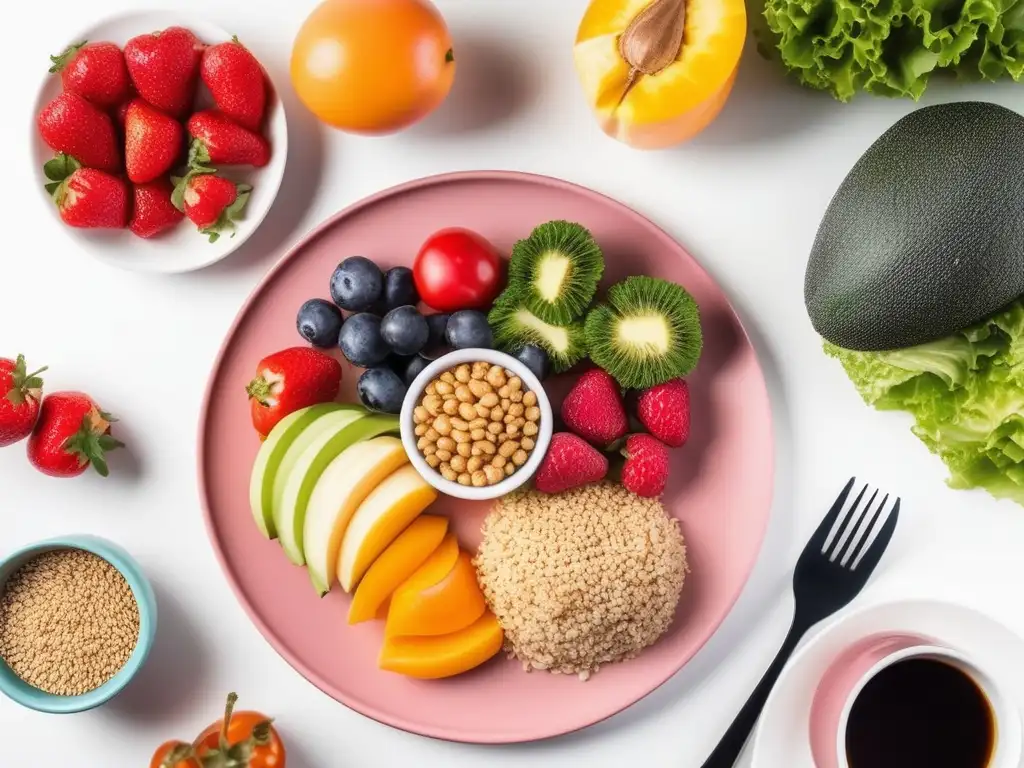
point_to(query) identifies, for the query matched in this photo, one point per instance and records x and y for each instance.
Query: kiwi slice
(555, 271)
(646, 333)
(515, 326)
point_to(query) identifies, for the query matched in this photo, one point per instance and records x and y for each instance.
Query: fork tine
(873, 553)
(852, 517)
(855, 536)
(820, 535)
(866, 538)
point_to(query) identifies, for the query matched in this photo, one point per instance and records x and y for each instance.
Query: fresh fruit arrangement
(67, 431)
(239, 740)
(658, 73)
(135, 146)
(920, 321)
(398, 64)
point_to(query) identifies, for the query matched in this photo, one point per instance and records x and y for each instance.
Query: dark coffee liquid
(920, 713)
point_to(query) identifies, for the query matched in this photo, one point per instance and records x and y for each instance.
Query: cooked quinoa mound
(583, 578)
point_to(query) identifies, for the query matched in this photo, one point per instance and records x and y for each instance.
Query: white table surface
(745, 198)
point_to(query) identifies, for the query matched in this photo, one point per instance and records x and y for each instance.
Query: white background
(745, 198)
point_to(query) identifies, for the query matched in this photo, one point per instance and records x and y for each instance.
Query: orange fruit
(373, 66)
(440, 656)
(685, 86)
(446, 606)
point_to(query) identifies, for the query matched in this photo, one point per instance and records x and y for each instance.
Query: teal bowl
(29, 696)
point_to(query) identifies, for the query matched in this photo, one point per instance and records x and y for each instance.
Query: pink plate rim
(451, 733)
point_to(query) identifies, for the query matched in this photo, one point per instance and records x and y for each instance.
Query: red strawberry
(72, 125)
(86, 197)
(569, 463)
(72, 433)
(153, 211)
(593, 408)
(95, 71)
(121, 114)
(665, 411)
(286, 381)
(20, 392)
(153, 142)
(220, 141)
(646, 469)
(236, 81)
(164, 67)
(211, 202)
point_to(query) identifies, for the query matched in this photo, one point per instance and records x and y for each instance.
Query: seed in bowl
(476, 424)
(68, 622)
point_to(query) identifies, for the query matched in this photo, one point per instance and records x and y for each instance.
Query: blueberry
(414, 368)
(381, 389)
(437, 342)
(405, 330)
(361, 342)
(319, 322)
(357, 284)
(399, 288)
(536, 359)
(468, 328)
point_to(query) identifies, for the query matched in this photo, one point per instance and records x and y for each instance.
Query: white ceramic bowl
(183, 249)
(452, 360)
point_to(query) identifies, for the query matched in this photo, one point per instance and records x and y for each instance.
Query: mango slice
(431, 658)
(652, 111)
(449, 605)
(384, 514)
(397, 563)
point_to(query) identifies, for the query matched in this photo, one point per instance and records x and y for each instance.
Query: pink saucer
(720, 487)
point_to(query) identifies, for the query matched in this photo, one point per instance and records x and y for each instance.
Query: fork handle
(731, 746)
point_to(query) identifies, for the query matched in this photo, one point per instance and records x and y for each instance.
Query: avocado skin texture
(925, 236)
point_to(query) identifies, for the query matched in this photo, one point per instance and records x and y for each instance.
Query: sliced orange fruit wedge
(422, 609)
(424, 537)
(440, 656)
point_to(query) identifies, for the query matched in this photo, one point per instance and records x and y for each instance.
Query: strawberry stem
(64, 58)
(23, 384)
(258, 388)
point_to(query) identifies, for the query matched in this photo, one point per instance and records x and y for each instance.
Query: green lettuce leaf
(966, 394)
(891, 47)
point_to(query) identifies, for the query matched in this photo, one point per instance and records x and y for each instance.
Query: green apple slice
(273, 450)
(290, 515)
(342, 487)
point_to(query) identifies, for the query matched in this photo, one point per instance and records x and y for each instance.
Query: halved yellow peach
(451, 604)
(684, 55)
(399, 561)
(430, 658)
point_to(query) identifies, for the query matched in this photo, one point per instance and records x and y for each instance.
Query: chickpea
(532, 413)
(504, 392)
(467, 411)
(530, 428)
(479, 370)
(464, 479)
(510, 469)
(431, 389)
(515, 384)
(451, 407)
(527, 444)
(459, 424)
(519, 457)
(478, 434)
(508, 448)
(497, 414)
(444, 388)
(477, 424)
(486, 448)
(493, 474)
(432, 435)
(479, 388)
(512, 430)
(463, 394)
(465, 450)
(445, 444)
(444, 455)
(479, 479)
(459, 436)
(420, 430)
(494, 428)
(419, 414)
(489, 400)
(432, 403)
(442, 425)
(458, 463)
(482, 412)
(505, 403)
(448, 378)
(474, 464)
(448, 473)
(422, 443)
(516, 397)
(516, 409)
(433, 461)
(430, 450)
(496, 377)
(462, 373)
(529, 399)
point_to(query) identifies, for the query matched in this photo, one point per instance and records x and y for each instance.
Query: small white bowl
(183, 249)
(453, 360)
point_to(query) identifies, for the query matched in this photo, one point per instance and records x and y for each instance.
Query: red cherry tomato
(457, 269)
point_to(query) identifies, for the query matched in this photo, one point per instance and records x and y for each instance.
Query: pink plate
(721, 486)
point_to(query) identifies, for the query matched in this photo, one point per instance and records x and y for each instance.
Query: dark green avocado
(925, 236)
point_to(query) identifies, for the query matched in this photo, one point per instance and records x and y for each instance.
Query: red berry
(645, 472)
(20, 392)
(220, 141)
(236, 81)
(164, 68)
(153, 142)
(665, 411)
(71, 125)
(288, 380)
(569, 463)
(593, 408)
(212, 203)
(95, 71)
(72, 433)
(91, 199)
(153, 211)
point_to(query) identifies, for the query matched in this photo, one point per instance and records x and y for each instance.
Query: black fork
(831, 571)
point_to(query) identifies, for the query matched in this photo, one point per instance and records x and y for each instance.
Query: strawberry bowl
(91, 197)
